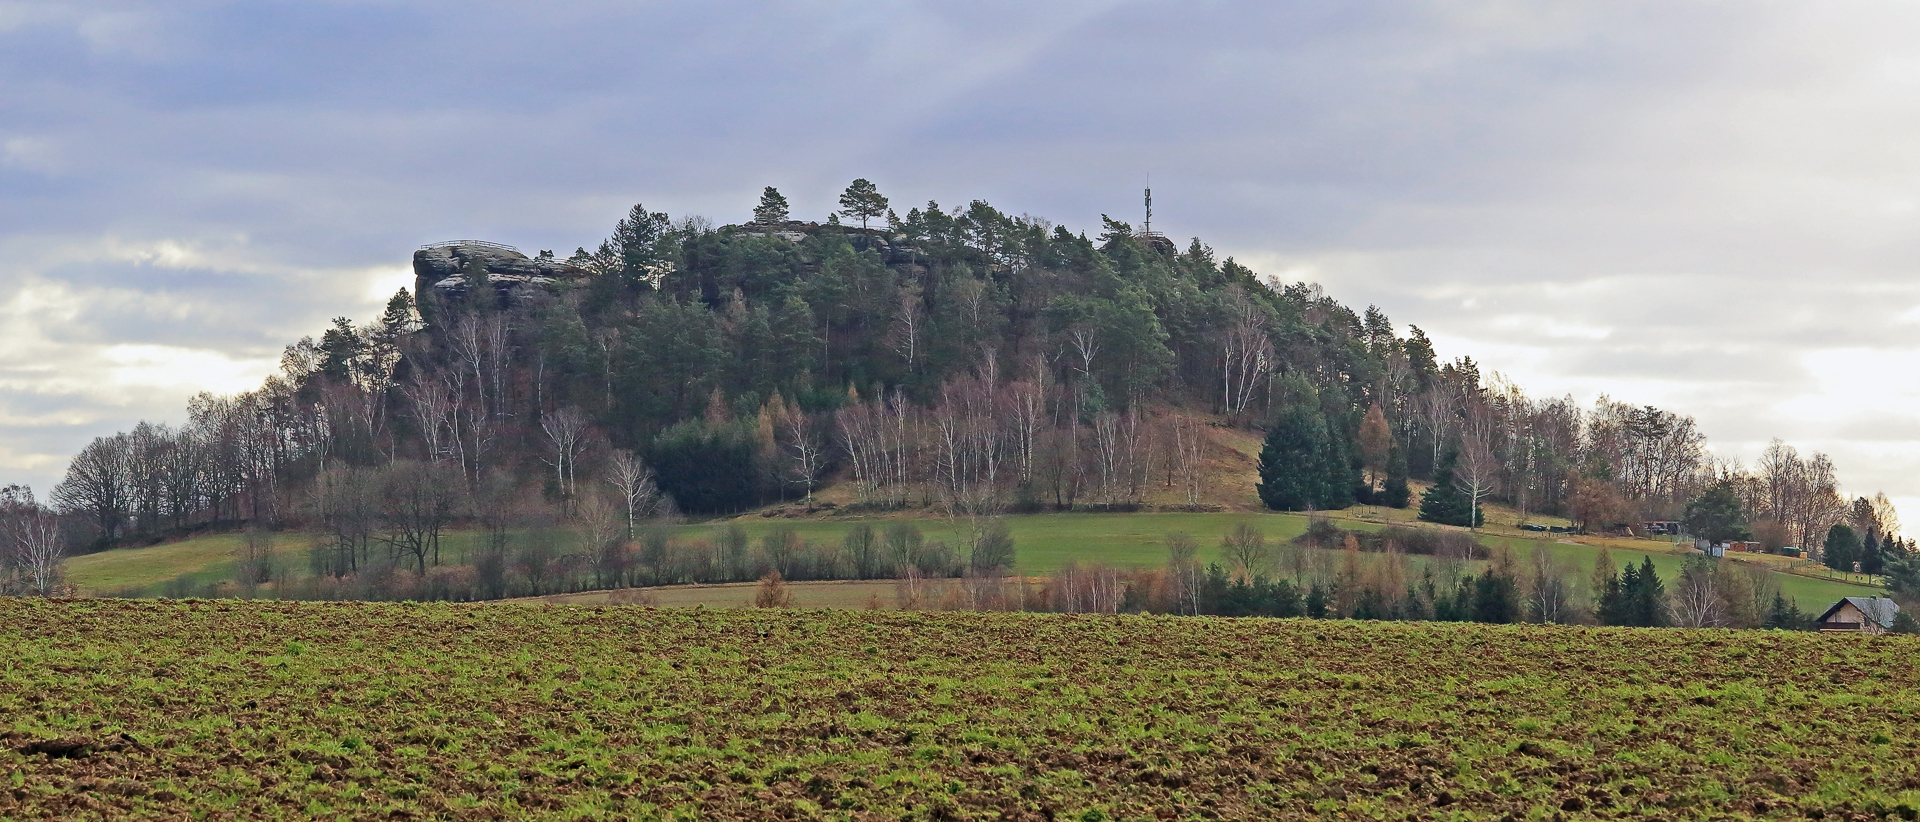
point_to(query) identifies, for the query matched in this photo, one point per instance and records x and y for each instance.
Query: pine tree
(1342, 471)
(400, 315)
(1610, 606)
(1496, 597)
(772, 208)
(1316, 604)
(1396, 494)
(645, 244)
(1841, 548)
(1649, 598)
(1444, 503)
(862, 201)
(1871, 558)
(1292, 462)
(1904, 623)
(1716, 515)
(1785, 615)
(340, 346)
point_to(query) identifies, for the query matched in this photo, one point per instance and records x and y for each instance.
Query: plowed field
(229, 709)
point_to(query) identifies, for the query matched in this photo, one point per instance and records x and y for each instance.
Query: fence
(1809, 568)
(479, 243)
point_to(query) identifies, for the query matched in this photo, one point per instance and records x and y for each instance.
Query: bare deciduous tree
(433, 409)
(1246, 352)
(1089, 589)
(597, 526)
(1246, 550)
(1549, 599)
(1476, 475)
(1188, 458)
(41, 547)
(1183, 573)
(1697, 600)
(417, 502)
(635, 482)
(566, 429)
(99, 484)
(908, 318)
(1086, 343)
(800, 439)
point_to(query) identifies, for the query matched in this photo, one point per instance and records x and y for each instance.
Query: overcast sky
(1711, 207)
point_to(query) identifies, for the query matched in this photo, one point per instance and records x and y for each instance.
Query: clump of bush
(1322, 533)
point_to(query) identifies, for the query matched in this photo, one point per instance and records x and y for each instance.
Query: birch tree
(1475, 475)
(566, 430)
(1246, 352)
(635, 482)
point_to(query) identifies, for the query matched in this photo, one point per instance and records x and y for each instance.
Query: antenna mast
(1148, 228)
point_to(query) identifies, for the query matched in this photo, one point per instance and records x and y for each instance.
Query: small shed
(1867, 615)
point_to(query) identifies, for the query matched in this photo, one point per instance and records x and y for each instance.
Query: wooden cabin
(1865, 615)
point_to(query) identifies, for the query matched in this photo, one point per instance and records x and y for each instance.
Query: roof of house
(1878, 609)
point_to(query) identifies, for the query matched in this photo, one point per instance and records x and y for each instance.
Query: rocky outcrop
(441, 268)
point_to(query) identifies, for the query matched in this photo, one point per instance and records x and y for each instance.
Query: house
(1871, 615)
(1661, 528)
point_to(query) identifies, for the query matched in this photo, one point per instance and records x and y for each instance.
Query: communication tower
(1146, 234)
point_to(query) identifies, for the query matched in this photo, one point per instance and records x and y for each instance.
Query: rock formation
(441, 268)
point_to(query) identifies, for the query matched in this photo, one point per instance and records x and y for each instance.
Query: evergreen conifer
(1649, 601)
(1496, 597)
(772, 207)
(1396, 494)
(1841, 548)
(1785, 615)
(862, 201)
(1443, 503)
(1293, 461)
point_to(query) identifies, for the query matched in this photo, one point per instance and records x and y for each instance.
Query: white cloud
(36, 154)
(1712, 207)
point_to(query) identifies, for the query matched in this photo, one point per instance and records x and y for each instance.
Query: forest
(965, 361)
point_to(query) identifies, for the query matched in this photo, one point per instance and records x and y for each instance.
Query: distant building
(1661, 528)
(1867, 615)
(1721, 549)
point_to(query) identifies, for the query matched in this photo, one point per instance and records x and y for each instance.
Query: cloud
(1711, 207)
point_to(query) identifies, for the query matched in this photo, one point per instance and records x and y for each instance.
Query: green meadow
(1045, 542)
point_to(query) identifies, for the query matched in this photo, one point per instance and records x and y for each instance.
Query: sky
(1709, 207)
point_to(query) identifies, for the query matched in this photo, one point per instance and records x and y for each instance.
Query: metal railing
(480, 243)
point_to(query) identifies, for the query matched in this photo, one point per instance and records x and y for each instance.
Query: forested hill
(963, 358)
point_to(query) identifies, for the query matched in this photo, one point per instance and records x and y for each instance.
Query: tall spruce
(1395, 493)
(1841, 549)
(1293, 473)
(1444, 503)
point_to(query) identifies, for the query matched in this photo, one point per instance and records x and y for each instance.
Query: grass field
(231, 709)
(1044, 541)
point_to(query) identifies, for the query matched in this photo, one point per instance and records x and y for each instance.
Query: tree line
(1406, 574)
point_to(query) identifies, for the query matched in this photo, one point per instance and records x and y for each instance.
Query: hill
(952, 362)
(411, 711)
